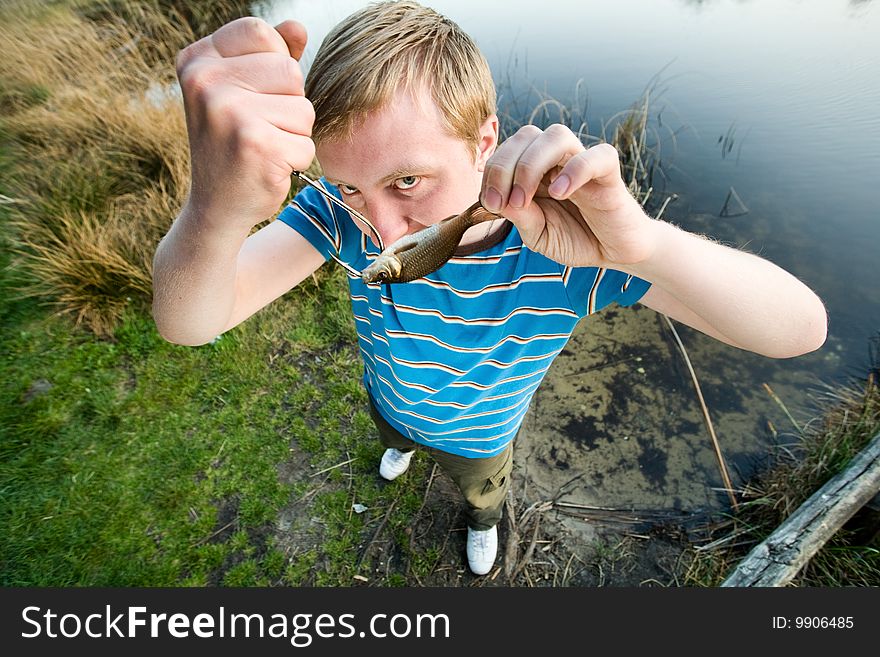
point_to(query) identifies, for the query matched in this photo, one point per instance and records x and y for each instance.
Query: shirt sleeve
(590, 289)
(316, 219)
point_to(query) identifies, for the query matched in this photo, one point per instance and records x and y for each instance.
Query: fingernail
(517, 197)
(559, 187)
(492, 200)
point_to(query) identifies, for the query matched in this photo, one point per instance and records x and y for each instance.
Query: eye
(347, 189)
(406, 182)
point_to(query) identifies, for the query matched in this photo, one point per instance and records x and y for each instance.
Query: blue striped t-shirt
(452, 360)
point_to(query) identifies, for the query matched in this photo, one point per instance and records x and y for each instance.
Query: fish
(421, 253)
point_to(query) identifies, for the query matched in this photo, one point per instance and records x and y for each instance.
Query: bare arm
(205, 285)
(249, 128)
(736, 297)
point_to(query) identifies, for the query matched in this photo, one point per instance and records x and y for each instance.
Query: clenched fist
(248, 120)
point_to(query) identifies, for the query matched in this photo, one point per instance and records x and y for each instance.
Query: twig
(351, 497)
(618, 518)
(567, 568)
(791, 419)
(302, 500)
(530, 551)
(724, 475)
(208, 538)
(350, 481)
(665, 203)
(539, 507)
(427, 489)
(722, 540)
(561, 490)
(511, 548)
(376, 533)
(589, 507)
(332, 467)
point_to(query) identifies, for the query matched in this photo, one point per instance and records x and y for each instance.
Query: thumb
(294, 33)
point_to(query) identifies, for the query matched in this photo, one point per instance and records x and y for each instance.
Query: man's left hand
(569, 202)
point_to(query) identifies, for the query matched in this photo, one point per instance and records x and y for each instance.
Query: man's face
(403, 170)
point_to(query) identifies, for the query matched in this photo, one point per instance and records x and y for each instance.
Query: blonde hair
(388, 46)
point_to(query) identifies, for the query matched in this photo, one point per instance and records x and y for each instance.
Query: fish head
(384, 269)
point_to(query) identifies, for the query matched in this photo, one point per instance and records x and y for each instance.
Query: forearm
(745, 300)
(194, 279)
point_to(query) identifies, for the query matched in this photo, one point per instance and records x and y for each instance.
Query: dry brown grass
(100, 161)
(96, 133)
(93, 123)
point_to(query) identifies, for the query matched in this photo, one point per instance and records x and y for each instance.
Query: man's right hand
(248, 120)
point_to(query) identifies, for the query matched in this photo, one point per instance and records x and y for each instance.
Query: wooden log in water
(779, 558)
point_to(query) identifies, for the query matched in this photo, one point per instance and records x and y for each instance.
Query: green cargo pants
(484, 482)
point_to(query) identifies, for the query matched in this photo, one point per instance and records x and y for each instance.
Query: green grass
(125, 460)
(128, 461)
(121, 457)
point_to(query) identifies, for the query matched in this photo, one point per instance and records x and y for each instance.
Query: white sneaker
(394, 463)
(482, 546)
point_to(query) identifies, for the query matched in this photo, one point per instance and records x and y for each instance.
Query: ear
(488, 141)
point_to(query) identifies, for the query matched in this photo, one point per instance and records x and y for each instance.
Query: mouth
(380, 272)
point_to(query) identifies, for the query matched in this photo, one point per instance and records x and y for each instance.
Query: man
(400, 109)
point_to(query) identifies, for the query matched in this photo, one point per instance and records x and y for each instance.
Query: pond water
(775, 99)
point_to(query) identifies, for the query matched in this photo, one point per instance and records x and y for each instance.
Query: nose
(388, 218)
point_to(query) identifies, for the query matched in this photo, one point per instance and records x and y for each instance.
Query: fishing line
(351, 271)
(342, 204)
